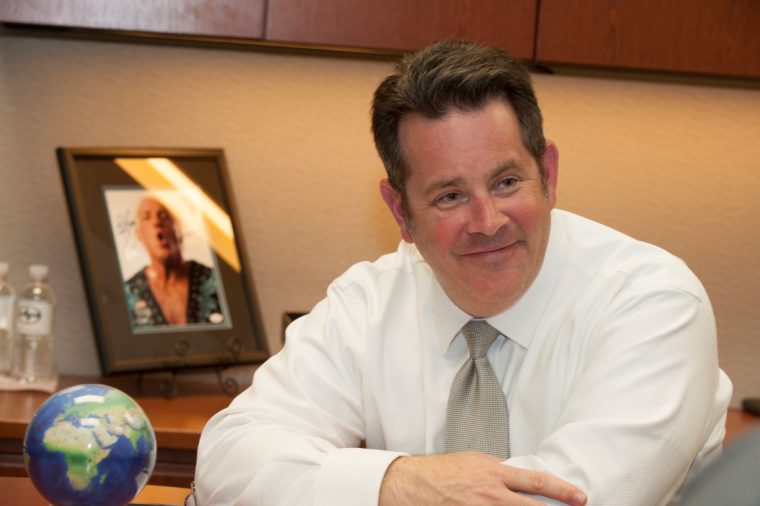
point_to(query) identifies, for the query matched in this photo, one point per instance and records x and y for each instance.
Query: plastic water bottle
(7, 310)
(33, 357)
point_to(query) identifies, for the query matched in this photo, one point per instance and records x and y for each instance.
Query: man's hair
(451, 75)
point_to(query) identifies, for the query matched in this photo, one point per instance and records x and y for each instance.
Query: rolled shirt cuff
(352, 476)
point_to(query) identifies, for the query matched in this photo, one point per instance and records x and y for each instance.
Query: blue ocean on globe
(89, 445)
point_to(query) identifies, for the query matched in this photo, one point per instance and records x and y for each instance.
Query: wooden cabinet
(402, 25)
(709, 37)
(718, 37)
(209, 18)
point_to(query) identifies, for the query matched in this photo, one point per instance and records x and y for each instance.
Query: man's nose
(486, 217)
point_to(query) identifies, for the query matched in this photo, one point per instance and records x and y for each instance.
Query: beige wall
(674, 164)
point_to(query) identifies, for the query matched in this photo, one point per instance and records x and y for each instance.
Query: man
(169, 290)
(605, 368)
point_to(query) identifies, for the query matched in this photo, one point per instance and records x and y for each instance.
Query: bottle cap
(38, 272)
(3, 269)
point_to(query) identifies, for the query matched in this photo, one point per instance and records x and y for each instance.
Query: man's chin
(488, 297)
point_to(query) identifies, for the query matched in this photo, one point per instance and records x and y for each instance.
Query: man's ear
(393, 201)
(551, 172)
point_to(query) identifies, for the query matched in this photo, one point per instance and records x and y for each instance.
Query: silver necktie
(477, 416)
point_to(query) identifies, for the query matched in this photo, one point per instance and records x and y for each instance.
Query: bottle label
(34, 317)
(6, 311)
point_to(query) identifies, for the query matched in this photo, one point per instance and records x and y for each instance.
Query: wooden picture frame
(166, 283)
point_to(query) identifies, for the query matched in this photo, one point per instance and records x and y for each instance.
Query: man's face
(479, 211)
(155, 229)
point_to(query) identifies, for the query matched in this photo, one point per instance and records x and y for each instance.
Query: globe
(89, 445)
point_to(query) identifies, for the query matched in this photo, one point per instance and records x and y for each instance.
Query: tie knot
(479, 336)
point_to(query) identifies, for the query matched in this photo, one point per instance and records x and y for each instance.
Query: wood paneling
(709, 37)
(403, 24)
(720, 37)
(213, 18)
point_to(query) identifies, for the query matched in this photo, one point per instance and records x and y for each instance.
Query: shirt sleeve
(647, 396)
(293, 438)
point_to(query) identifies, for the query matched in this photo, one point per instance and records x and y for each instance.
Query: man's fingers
(470, 478)
(546, 485)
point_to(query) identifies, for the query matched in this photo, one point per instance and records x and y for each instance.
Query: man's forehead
(458, 122)
(150, 202)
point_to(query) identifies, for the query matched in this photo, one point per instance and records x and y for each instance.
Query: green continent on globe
(80, 450)
(100, 425)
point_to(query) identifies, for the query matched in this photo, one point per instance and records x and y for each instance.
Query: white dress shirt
(609, 366)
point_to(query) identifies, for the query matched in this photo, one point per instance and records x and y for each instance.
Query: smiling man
(508, 353)
(476, 204)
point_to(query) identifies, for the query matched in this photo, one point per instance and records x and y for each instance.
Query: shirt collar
(519, 321)
(447, 316)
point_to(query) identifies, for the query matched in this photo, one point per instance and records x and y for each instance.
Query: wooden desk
(738, 424)
(177, 423)
(21, 491)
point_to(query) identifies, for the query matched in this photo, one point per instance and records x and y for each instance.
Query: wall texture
(673, 164)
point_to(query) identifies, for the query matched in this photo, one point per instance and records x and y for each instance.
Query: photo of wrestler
(166, 261)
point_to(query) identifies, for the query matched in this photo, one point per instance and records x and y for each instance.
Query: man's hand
(469, 478)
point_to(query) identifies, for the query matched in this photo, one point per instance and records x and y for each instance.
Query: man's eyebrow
(509, 166)
(442, 184)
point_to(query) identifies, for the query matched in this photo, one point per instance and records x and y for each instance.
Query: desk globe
(89, 444)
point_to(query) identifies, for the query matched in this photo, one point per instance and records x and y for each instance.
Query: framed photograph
(166, 283)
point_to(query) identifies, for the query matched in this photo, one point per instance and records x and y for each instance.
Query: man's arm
(292, 438)
(469, 479)
(644, 400)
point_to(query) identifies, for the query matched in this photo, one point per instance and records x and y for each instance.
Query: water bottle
(7, 309)
(33, 356)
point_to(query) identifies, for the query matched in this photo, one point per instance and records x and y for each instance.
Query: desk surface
(738, 424)
(22, 491)
(177, 421)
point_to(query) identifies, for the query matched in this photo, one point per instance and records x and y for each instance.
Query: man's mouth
(163, 241)
(486, 250)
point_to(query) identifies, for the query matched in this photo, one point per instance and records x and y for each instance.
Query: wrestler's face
(478, 207)
(156, 230)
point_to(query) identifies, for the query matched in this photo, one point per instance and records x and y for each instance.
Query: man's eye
(507, 183)
(449, 198)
